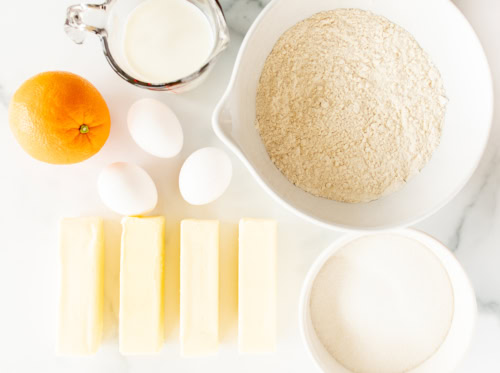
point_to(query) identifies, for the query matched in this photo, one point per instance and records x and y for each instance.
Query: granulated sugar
(382, 304)
(349, 106)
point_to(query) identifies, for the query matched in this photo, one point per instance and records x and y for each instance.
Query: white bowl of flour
(453, 48)
(391, 302)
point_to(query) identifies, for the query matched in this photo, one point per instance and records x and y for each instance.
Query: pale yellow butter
(141, 318)
(80, 316)
(257, 286)
(199, 298)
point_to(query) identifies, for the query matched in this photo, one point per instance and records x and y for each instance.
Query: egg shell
(205, 176)
(127, 189)
(155, 128)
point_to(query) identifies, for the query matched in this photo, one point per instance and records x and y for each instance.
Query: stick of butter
(141, 319)
(81, 292)
(257, 286)
(199, 303)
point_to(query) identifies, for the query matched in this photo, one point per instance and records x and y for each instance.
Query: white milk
(382, 303)
(166, 40)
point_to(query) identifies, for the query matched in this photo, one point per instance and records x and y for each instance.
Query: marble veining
(493, 307)
(241, 13)
(489, 181)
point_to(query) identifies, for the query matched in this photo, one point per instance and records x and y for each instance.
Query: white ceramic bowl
(445, 34)
(453, 349)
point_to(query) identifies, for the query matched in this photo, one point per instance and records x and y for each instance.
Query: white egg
(155, 128)
(205, 175)
(127, 189)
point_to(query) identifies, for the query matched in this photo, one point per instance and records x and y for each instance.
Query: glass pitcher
(108, 21)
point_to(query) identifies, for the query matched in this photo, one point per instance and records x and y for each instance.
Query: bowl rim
(438, 248)
(223, 105)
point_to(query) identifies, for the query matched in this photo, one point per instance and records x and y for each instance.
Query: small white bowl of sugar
(393, 302)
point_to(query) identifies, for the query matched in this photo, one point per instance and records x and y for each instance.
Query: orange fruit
(59, 117)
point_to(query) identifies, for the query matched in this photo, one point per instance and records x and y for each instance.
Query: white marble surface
(33, 196)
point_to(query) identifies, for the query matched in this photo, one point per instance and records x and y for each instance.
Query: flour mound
(349, 106)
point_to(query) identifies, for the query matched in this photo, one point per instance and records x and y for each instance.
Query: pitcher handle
(76, 26)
